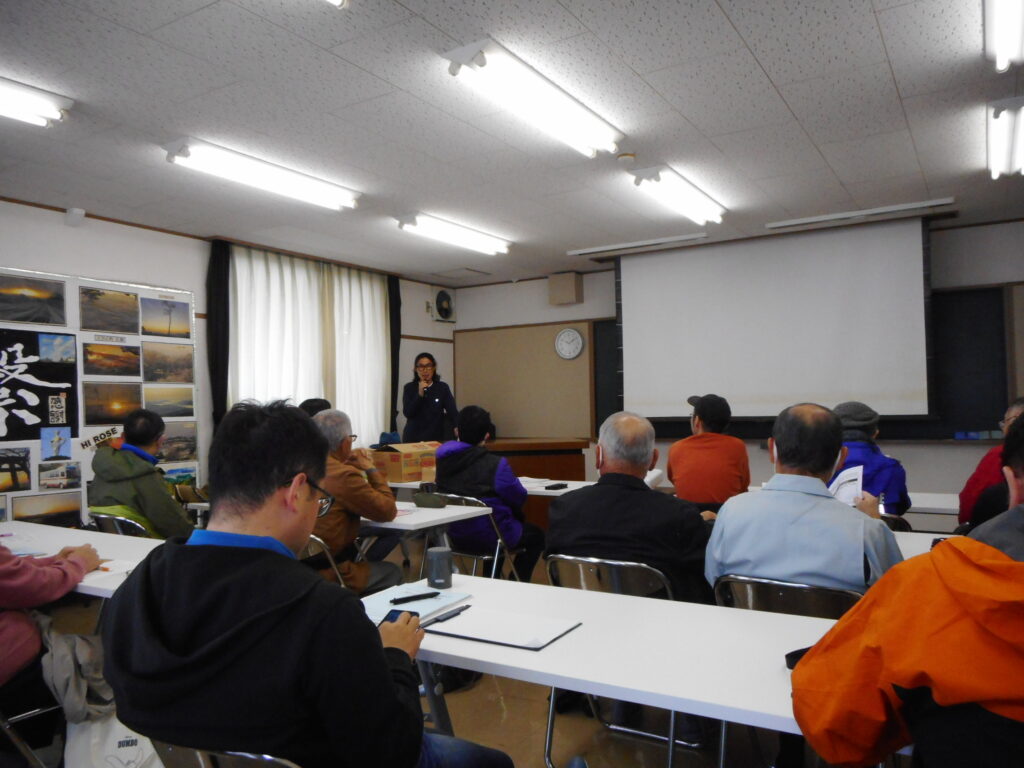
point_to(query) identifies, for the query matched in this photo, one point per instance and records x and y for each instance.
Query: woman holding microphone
(426, 402)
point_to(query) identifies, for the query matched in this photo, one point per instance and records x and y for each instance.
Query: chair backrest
(186, 757)
(317, 546)
(187, 494)
(600, 575)
(897, 523)
(455, 500)
(120, 520)
(783, 597)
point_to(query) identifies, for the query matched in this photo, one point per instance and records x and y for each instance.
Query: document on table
(377, 606)
(848, 485)
(517, 630)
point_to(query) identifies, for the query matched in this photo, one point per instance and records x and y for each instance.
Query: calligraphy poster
(38, 383)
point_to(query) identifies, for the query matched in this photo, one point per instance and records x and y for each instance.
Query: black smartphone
(935, 542)
(394, 613)
(556, 486)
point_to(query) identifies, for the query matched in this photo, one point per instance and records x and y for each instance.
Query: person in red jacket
(932, 655)
(29, 582)
(989, 469)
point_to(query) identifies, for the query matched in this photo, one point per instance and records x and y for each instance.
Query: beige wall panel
(530, 391)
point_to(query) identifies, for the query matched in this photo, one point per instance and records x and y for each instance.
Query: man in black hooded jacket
(225, 641)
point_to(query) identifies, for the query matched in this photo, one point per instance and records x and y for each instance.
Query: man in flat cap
(884, 476)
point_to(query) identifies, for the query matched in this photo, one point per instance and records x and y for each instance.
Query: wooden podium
(555, 458)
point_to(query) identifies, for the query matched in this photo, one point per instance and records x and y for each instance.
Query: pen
(5, 534)
(445, 616)
(413, 598)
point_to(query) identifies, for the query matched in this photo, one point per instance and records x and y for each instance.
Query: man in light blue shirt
(793, 529)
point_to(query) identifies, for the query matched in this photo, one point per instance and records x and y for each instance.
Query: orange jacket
(951, 620)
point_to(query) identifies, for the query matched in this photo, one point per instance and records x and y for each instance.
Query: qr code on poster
(58, 409)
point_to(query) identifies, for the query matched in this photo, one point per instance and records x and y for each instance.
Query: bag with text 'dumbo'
(108, 743)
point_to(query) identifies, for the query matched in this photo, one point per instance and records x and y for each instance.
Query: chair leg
(671, 737)
(434, 692)
(497, 555)
(550, 732)
(404, 544)
(19, 744)
(721, 744)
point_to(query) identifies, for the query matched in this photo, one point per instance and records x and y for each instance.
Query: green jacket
(122, 477)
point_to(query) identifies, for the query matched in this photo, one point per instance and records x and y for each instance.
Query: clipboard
(514, 630)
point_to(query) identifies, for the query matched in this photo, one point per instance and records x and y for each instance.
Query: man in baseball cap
(709, 467)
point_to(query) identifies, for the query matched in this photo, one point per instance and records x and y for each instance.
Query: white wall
(526, 302)
(988, 255)
(34, 238)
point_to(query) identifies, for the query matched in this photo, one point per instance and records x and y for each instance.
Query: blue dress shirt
(206, 538)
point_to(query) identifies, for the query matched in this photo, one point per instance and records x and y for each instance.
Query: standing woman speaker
(427, 403)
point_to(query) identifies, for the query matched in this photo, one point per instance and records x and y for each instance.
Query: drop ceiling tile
(875, 157)
(591, 72)
(409, 121)
(325, 25)
(884, 5)
(772, 150)
(651, 35)
(847, 105)
(807, 194)
(893, 191)
(800, 39)
(518, 173)
(520, 24)
(250, 47)
(722, 94)
(141, 16)
(935, 44)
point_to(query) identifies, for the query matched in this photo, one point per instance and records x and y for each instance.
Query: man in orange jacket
(932, 655)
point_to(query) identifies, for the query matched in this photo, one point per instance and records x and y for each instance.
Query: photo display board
(76, 356)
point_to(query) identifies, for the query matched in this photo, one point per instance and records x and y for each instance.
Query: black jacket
(620, 518)
(232, 648)
(429, 417)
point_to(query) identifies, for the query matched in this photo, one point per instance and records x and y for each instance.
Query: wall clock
(568, 343)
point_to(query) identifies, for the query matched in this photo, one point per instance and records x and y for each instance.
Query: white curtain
(301, 329)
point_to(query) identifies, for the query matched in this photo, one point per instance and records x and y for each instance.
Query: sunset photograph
(179, 441)
(14, 469)
(162, 317)
(108, 311)
(168, 400)
(30, 300)
(166, 362)
(111, 360)
(56, 508)
(107, 403)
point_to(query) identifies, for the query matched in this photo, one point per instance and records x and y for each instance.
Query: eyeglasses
(424, 367)
(353, 437)
(325, 502)
(1004, 423)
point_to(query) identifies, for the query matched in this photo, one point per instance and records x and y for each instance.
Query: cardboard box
(407, 462)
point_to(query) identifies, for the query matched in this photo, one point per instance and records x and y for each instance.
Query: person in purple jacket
(465, 467)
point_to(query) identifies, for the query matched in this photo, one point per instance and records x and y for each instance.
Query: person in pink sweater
(28, 582)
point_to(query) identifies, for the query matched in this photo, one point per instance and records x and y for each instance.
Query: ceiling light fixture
(1006, 136)
(451, 233)
(677, 194)
(515, 86)
(338, 3)
(234, 166)
(31, 105)
(1004, 32)
(656, 244)
(861, 213)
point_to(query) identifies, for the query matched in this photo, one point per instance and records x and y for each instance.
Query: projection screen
(822, 316)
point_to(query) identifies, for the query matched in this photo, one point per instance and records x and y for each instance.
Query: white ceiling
(779, 109)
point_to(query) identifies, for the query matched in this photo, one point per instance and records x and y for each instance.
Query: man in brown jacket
(359, 491)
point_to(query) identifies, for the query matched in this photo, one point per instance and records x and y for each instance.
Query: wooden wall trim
(428, 338)
(534, 325)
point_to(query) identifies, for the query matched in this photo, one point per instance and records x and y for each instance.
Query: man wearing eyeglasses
(225, 642)
(989, 470)
(359, 491)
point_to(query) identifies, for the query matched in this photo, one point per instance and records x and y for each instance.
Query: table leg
(438, 716)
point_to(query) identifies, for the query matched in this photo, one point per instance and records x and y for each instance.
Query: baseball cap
(713, 410)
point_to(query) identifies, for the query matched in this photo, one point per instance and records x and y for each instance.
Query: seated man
(29, 582)
(226, 642)
(793, 529)
(129, 477)
(989, 469)
(884, 476)
(931, 655)
(359, 491)
(708, 467)
(465, 467)
(620, 518)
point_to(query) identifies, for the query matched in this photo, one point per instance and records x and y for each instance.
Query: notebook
(517, 630)
(377, 606)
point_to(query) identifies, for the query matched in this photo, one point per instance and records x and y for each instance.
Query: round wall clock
(568, 343)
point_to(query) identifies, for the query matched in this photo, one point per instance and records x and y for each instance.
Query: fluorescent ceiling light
(31, 105)
(658, 243)
(235, 166)
(1004, 32)
(516, 87)
(453, 234)
(861, 213)
(338, 3)
(677, 194)
(1006, 136)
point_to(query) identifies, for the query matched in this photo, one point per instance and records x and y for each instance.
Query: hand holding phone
(401, 631)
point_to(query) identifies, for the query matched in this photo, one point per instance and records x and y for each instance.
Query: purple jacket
(470, 470)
